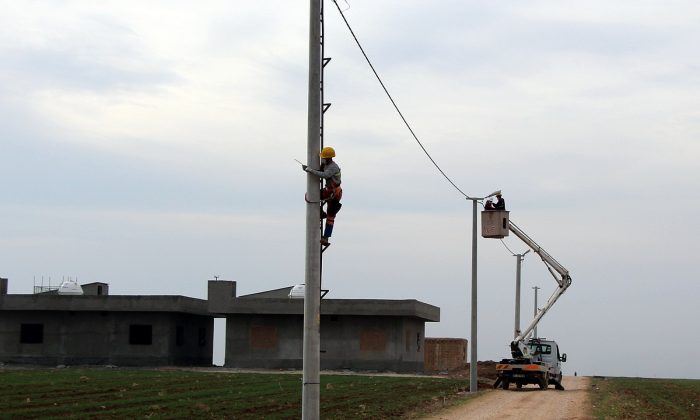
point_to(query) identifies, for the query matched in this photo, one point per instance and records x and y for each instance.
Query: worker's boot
(324, 241)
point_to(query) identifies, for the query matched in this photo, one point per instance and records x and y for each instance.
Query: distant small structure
(445, 354)
(95, 289)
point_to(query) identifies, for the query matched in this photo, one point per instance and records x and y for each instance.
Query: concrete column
(220, 293)
(534, 332)
(473, 361)
(516, 330)
(311, 389)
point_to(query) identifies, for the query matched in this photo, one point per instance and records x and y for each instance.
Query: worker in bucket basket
(331, 193)
(500, 203)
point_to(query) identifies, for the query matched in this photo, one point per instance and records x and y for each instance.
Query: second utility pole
(516, 330)
(311, 390)
(534, 332)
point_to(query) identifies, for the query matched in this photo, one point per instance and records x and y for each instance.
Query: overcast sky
(149, 145)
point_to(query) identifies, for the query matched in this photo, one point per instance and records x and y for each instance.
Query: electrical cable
(509, 250)
(379, 79)
(357, 41)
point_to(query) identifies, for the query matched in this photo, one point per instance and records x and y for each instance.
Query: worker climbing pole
(331, 192)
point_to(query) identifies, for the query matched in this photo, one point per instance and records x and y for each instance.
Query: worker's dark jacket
(500, 204)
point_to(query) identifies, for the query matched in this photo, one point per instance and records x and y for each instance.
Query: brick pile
(445, 354)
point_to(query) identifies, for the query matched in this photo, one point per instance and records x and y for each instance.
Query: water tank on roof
(70, 288)
(297, 292)
(494, 223)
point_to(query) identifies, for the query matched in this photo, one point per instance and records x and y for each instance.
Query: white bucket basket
(494, 224)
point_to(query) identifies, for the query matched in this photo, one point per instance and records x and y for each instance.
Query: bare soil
(485, 369)
(528, 403)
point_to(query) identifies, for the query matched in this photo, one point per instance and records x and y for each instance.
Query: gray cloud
(44, 69)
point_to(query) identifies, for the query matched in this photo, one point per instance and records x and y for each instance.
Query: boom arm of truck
(562, 277)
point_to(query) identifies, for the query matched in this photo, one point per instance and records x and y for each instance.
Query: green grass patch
(636, 398)
(120, 393)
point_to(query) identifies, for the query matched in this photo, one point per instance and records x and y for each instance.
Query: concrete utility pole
(516, 331)
(310, 407)
(534, 332)
(473, 361)
(473, 384)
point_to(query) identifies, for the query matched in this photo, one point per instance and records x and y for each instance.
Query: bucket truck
(534, 360)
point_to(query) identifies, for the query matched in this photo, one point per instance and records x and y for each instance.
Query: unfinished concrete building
(96, 328)
(265, 330)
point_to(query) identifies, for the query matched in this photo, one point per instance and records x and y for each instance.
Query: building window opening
(31, 333)
(99, 290)
(141, 334)
(179, 335)
(202, 339)
(418, 342)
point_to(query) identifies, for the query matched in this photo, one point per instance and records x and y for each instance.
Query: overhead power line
(394, 102)
(379, 79)
(509, 250)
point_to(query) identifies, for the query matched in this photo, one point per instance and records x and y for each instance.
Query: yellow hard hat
(327, 152)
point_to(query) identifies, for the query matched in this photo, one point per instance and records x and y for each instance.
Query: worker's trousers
(332, 195)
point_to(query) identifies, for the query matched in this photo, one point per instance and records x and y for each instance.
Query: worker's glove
(303, 168)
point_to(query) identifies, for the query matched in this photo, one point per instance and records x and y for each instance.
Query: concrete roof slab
(116, 303)
(360, 307)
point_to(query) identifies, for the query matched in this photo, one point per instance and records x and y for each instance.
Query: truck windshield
(540, 349)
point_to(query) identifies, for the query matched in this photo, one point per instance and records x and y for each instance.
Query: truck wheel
(518, 385)
(506, 384)
(557, 385)
(544, 381)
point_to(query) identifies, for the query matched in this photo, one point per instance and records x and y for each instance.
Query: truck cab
(547, 353)
(542, 368)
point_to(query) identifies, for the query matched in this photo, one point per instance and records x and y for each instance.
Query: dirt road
(528, 403)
